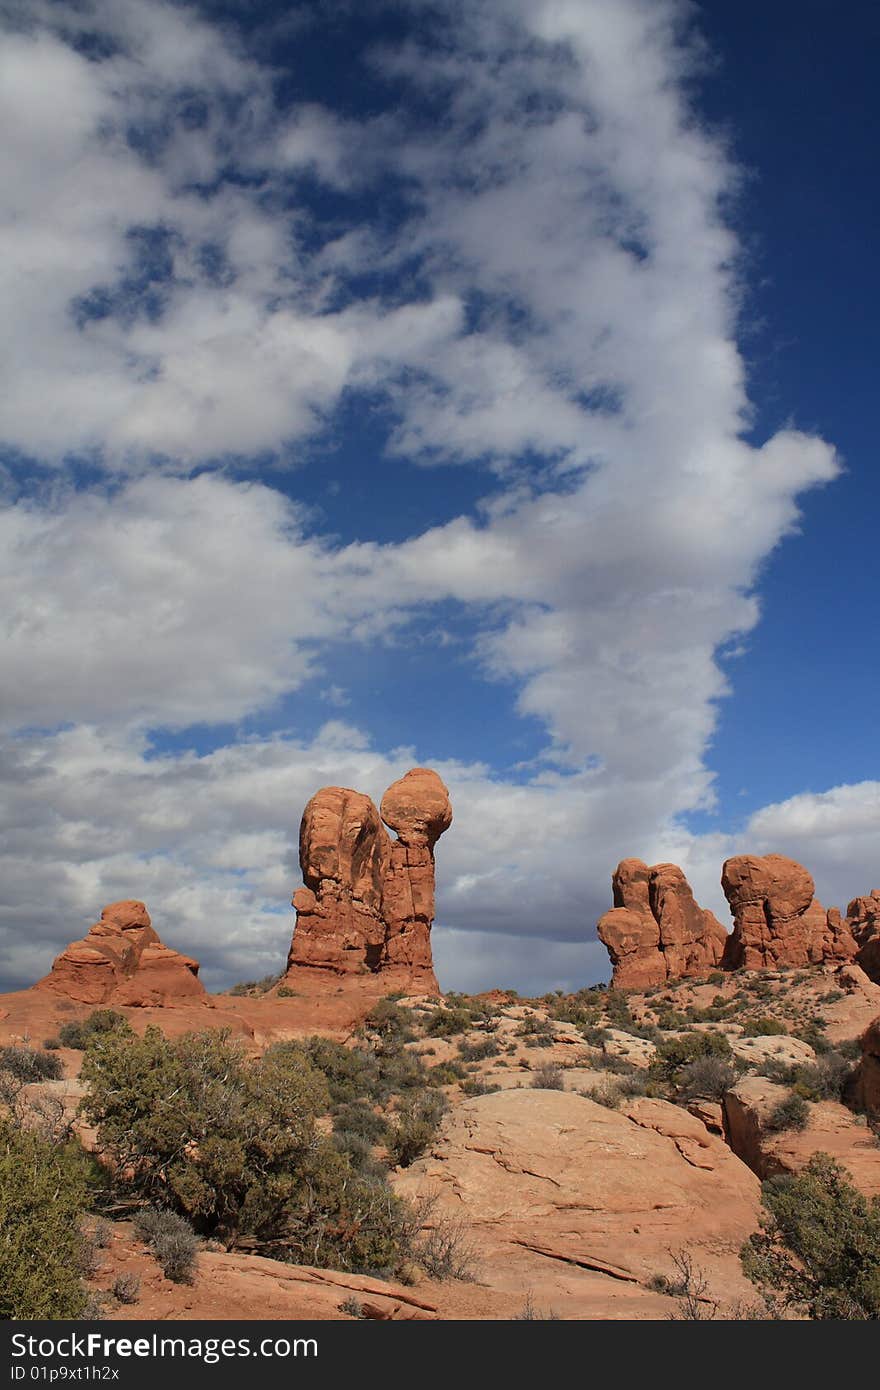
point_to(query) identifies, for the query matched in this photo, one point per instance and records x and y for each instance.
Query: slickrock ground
(583, 1206)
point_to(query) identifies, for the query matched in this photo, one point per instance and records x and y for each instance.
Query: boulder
(656, 931)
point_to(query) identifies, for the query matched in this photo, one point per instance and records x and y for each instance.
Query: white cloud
(564, 283)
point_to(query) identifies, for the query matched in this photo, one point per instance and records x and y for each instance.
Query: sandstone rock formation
(866, 1085)
(122, 961)
(656, 931)
(368, 900)
(777, 920)
(863, 919)
(582, 1205)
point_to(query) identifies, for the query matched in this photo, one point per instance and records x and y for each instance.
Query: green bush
(825, 1079)
(818, 1250)
(356, 1117)
(195, 1124)
(478, 1051)
(418, 1118)
(392, 1023)
(445, 1023)
(791, 1113)
(255, 987)
(706, 1078)
(763, 1028)
(100, 1024)
(42, 1200)
(675, 1053)
(232, 1144)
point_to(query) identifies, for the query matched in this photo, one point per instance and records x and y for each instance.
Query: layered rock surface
(831, 1129)
(367, 904)
(122, 961)
(583, 1205)
(656, 930)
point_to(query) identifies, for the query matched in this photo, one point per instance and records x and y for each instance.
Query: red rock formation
(863, 920)
(368, 900)
(417, 808)
(344, 853)
(777, 920)
(866, 1083)
(122, 961)
(656, 931)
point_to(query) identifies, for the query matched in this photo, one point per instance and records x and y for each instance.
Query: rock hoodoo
(367, 903)
(656, 930)
(777, 921)
(122, 961)
(863, 918)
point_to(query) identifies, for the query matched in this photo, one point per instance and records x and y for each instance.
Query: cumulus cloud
(555, 301)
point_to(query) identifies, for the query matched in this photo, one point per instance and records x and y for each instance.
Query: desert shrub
(392, 1023)
(255, 987)
(530, 1312)
(534, 1026)
(418, 1117)
(705, 1078)
(583, 1009)
(356, 1117)
(445, 1250)
(818, 1250)
(825, 1079)
(675, 1053)
(446, 1023)
(594, 1036)
(126, 1288)
(791, 1113)
(359, 1152)
(352, 1306)
(813, 1034)
(548, 1078)
(100, 1024)
(172, 1241)
(42, 1198)
(350, 1072)
(446, 1074)
(620, 1066)
(670, 1019)
(717, 977)
(284, 992)
(195, 1124)
(25, 1064)
(478, 1051)
(474, 1087)
(764, 1027)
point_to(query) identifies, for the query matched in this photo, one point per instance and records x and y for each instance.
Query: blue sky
(478, 385)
